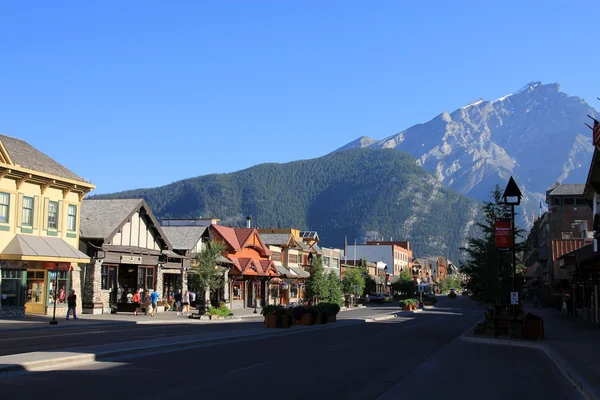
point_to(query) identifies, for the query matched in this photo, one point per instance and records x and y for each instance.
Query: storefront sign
(503, 234)
(64, 266)
(131, 259)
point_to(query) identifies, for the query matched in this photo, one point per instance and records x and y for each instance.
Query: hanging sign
(503, 234)
(62, 266)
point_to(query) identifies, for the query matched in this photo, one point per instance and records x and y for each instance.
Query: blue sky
(144, 93)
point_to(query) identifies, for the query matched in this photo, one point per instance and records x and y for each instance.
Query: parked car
(376, 298)
(388, 298)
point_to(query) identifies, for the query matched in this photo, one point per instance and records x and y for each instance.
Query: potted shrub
(276, 316)
(218, 312)
(331, 311)
(405, 304)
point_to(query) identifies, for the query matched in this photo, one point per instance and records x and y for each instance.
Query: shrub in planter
(405, 304)
(452, 296)
(276, 316)
(219, 311)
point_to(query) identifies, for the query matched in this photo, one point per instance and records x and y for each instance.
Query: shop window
(104, 277)
(146, 279)
(64, 286)
(238, 292)
(27, 217)
(12, 289)
(52, 215)
(4, 207)
(294, 290)
(72, 218)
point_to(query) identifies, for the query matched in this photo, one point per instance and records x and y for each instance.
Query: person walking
(154, 299)
(178, 297)
(185, 301)
(72, 304)
(136, 301)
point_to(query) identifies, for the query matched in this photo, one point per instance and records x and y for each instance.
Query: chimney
(248, 222)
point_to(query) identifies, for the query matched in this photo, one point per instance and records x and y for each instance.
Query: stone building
(128, 251)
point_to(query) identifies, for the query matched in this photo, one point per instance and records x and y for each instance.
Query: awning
(284, 271)
(376, 279)
(172, 254)
(223, 260)
(300, 272)
(42, 248)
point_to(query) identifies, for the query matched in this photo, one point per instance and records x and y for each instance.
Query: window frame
(7, 205)
(73, 216)
(21, 286)
(29, 223)
(55, 214)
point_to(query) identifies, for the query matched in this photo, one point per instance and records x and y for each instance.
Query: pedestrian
(154, 299)
(569, 302)
(178, 296)
(185, 301)
(535, 301)
(72, 304)
(136, 301)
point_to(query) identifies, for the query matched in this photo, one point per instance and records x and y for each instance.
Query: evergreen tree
(205, 276)
(489, 271)
(316, 287)
(334, 288)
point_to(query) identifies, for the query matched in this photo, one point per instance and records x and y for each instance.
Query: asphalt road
(393, 359)
(17, 342)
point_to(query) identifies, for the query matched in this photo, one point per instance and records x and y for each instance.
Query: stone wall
(94, 299)
(12, 312)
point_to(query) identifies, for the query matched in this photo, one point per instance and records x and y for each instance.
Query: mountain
(361, 193)
(536, 134)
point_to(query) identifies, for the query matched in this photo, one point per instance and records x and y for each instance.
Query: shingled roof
(568, 189)
(100, 219)
(25, 155)
(184, 237)
(276, 239)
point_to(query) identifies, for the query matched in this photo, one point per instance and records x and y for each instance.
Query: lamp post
(54, 321)
(512, 197)
(254, 293)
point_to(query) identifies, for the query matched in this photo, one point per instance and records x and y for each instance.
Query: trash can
(534, 327)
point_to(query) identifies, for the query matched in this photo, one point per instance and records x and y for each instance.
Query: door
(35, 301)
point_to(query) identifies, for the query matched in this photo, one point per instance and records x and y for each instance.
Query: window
(72, 218)
(276, 256)
(4, 207)
(335, 263)
(64, 285)
(27, 211)
(104, 277)
(569, 201)
(146, 279)
(294, 290)
(580, 201)
(237, 291)
(326, 261)
(556, 201)
(13, 290)
(52, 215)
(293, 258)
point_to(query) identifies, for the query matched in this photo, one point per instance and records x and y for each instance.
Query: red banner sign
(503, 234)
(63, 266)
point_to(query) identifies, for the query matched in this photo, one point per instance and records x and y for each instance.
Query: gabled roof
(237, 238)
(21, 153)
(568, 189)
(184, 237)
(101, 219)
(300, 243)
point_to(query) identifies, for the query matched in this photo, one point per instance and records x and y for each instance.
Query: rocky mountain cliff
(536, 134)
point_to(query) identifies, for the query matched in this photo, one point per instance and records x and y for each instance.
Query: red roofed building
(252, 267)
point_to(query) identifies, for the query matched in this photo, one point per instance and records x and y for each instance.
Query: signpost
(503, 230)
(514, 297)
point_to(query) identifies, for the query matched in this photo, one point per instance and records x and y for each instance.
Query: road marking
(336, 345)
(248, 367)
(73, 334)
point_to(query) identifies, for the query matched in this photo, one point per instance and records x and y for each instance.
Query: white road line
(248, 367)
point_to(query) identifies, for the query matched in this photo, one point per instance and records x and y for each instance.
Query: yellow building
(39, 231)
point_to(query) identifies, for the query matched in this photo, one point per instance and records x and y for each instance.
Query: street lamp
(54, 321)
(512, 197)
(254, 293)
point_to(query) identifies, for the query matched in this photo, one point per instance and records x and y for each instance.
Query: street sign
(514, 297)
(503, 231)
(356, 289)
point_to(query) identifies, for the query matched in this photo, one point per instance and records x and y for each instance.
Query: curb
(568, 371)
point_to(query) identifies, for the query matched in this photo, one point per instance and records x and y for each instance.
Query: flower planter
(271, 321)
(406, 308)
(283, 321)
(332, 318)
(321, 319)
(305, 319)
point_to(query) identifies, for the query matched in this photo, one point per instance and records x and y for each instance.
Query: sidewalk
(89, 320)
(573, 345)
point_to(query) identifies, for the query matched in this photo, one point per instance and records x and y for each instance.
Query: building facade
(128, 251)
(396, 255)
(39, 231)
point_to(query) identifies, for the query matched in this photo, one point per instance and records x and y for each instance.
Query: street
(403, 358)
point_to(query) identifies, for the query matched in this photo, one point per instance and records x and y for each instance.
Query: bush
(219, 311)
(329, 308)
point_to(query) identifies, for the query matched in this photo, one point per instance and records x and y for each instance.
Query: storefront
(35, 271)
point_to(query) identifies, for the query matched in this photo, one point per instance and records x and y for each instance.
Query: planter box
(321, 319)
(278, 321)
(406, 308)
(332, 318)
(271, 321)
(305, 319)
